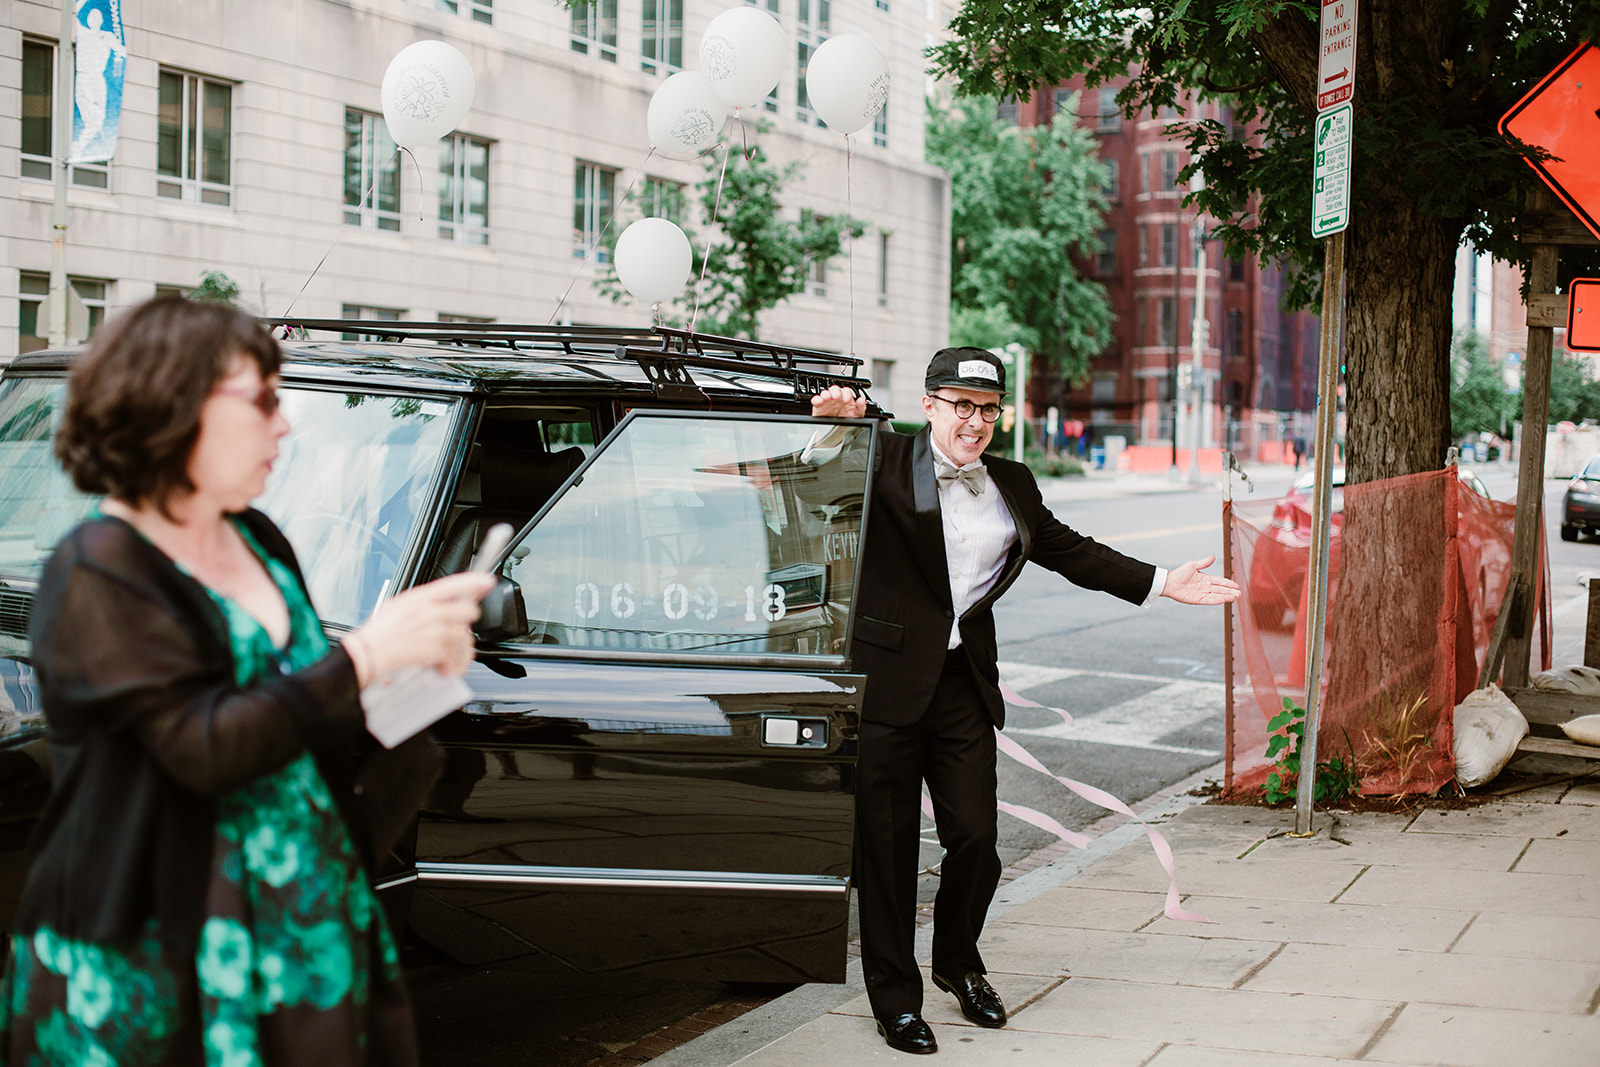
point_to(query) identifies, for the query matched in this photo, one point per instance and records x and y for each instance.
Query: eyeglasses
(965, 408)
(265, 398)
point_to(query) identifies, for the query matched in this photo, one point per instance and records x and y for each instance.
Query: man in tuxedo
(951, 529)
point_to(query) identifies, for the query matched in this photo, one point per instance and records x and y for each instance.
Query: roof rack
(665, 354)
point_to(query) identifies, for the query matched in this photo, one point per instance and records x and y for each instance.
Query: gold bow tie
(973, 478)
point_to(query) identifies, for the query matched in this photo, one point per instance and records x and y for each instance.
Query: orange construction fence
(1417, 569)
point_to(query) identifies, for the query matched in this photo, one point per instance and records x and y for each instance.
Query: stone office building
(251, 134)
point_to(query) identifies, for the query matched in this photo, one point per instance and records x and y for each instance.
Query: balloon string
(359, 205)
(588, 252)
(849, 242)
(705, 259)
(422, 214)
(744, 132)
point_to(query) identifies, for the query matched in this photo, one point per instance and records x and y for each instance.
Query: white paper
(404, 703)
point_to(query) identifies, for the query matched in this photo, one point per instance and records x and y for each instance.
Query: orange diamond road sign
(1583, 315)
(1561, 114)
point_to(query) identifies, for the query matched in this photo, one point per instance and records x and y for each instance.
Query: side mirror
(503, 615)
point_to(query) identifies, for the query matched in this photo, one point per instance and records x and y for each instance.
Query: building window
(464, 189)
(1236, 270)
(883, 377)
(466, 319)
(194, 139)
(1167, 321)
(594, 24)
(1144, 174)
(816, 269)
(663, 199)
(38, 120)
(476, 10)
(1105, 263)
(370, 314)
(880, 126)
(811, 29)
(1168, 111)
(883, 269)
(1169, 171)
(1169, 244)
(594, 192)
(1006, 111)
(371, 172)
(33, 327)
(771, 7)
(1144, 248)
(1110, 117)
(1233, 334)
(663, 36)
(1062, 102)
(1111, 186)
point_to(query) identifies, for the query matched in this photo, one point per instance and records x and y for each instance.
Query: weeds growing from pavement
(1336, 777)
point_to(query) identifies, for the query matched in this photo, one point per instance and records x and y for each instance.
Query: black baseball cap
(966, 368)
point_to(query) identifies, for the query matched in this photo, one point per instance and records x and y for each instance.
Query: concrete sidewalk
(1467, 938)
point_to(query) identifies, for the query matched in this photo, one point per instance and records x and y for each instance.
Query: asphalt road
(1144, 686)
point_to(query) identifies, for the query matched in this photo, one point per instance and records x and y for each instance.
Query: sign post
(1330, 215)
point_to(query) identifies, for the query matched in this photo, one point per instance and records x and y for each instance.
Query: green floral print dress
(295, 962)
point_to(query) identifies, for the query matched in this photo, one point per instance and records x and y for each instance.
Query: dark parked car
(656, 768)
(1580, 505)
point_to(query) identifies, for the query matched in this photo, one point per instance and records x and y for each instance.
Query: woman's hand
(428, 625)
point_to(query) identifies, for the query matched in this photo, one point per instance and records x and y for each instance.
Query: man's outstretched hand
(838, 402)
(1189, 584)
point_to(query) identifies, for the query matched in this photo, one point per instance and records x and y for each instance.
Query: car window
(700, 534)
(38, 503)
(1592, 470)
(351, 478)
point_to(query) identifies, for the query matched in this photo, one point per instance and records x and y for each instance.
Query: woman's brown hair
(134, 397)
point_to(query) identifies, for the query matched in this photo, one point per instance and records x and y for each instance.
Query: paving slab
(1513, 820)
(1587, 794)
(1534, 937)
(940, 1008)
(1122, 956)
(1504, 891)
(1445, 1034)
(1223, 1018)
(1200, 1056)
(1364, 926)
(1432, 977)
(1562, 855)
(850, 1039)
(1280, 878)
(1392, 848)
(1073, 905)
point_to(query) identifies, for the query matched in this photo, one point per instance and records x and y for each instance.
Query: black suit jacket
(904, 610)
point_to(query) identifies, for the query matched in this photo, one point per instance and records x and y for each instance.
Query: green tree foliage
(216, 287)
(1574, 392)
(1479, 399)
(1432, 79)
(1023, 205)
(761, 257)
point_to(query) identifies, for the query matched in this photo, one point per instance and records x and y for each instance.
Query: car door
(658, 773)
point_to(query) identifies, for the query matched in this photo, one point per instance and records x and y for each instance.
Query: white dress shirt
(978, 534)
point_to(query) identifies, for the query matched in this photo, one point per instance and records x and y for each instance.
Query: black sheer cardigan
(146, 727)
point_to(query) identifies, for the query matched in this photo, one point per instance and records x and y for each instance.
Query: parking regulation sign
(1330, 188)
(1336, 54)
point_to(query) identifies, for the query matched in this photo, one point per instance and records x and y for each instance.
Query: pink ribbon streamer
(1013, 697)
(1105, 800)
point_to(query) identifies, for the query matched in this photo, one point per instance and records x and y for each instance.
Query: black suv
(656, 768)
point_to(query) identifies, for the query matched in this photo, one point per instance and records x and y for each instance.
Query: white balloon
(742, 55)
(685, 116)
(847, 81)
(653, 260)
(427, 91)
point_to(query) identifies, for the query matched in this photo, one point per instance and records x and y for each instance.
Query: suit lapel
(929, 518)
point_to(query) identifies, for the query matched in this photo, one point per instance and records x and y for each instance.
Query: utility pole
(1200, 331)
(61, 148)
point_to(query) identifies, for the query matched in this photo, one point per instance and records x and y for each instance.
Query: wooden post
(1530, 478)
(1591, 634)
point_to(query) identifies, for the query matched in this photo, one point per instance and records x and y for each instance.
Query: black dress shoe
(979, 1002)
(908, 1033)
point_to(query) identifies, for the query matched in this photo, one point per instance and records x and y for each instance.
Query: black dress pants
(952, 748)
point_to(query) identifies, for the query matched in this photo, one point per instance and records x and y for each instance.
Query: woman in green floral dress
(199, 892)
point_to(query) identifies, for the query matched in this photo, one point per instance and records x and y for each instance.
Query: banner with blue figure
(100, 58)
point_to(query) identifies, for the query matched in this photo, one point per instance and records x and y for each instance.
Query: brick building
(1258, 384)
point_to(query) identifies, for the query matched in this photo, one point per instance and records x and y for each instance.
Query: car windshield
(1592, 469)
(703, 535)
(350, 479)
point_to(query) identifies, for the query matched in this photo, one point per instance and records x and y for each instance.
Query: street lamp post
(1200, 330)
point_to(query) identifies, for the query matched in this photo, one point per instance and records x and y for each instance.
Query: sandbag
(1584, 681)
(1585, 729)
(1488, 728)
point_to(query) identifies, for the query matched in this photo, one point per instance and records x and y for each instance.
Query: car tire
(1569, 533)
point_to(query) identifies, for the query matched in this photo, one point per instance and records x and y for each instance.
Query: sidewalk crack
(1454, 941)
(1378, 1034)
(1152, 1057)
(1259, 966)
(1524, 852)
(1040, 995)
(1350, 884)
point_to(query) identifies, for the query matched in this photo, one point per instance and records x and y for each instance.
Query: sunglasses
(265, 398)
